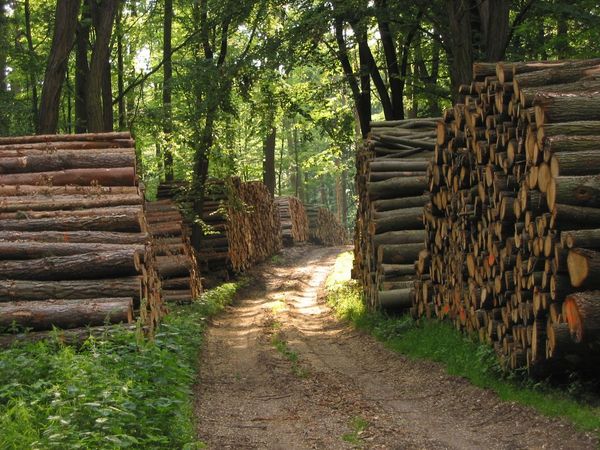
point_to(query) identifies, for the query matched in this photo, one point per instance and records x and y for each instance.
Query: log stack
(74, 247)
(242, 225)
(512, 226)
(391, 182)
(293, 219)
(324, 228)
(175, 258)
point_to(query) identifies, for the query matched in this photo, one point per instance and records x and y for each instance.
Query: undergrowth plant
(112, 392)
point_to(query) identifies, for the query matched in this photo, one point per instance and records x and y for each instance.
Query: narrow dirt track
(250, 395)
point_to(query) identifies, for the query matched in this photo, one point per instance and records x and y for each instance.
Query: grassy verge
(460, 355)
(110, 393)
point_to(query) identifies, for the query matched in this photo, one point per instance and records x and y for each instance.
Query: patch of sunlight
(342, 269)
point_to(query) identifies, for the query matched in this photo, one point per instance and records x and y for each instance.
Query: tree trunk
(120, 69)
(167, 88)
(107, 110)
(82, 68)
(66, 313)
(103, 15)
(28, 204)
(4, 118)
(69, 160)
(33, 250)
(33, 81)
(62, 42)
(269, 159)
(583, 316)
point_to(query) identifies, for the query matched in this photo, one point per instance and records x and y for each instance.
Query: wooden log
(553, 108)
(400, 203)
(570, 164)
(93, 265)
(582, 238)
(135, 210)
(582, 313)
(584, 268)
(398, 165)
(576, 191)
(566, 217)
(72, 160)
(76, 236)
(567, 73)
(121, 176)
(398, 187)
(23, 290)
(399, 253)
(32, 250)
(173, 266)
(396, 299)
(65, 138)
(177, 296)
(66, 313)
(397, 270)
(577, 128)
(125, 222)
(46, 191)
(176, 283)
(399, 237)
(398, 220)
(66, 202)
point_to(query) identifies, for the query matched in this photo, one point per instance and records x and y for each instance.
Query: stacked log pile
(242, 224)
(74, 247)
(175, 258)
(293, 219)
(512, 226)
(324, 228)
(391, 184)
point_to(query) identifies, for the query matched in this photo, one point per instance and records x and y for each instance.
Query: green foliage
(110, 393)
(461, 355)
(358, 426)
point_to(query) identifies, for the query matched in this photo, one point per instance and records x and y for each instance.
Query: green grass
(283, 348)
(112, 393)
(358, 426)
(461, 355)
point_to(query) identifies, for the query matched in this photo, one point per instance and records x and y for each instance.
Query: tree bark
(121, 176)
(33, 250)
(62, 42)
(269, 159)
(126, 222)
(33, 81)
(103, 15)
(167, 87)
(76, 236)
(69, 160)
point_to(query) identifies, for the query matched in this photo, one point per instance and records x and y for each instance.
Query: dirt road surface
(278, 371)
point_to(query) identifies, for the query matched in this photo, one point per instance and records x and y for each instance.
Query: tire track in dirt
(337, 388)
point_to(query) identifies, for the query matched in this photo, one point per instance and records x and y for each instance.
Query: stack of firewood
(74, 248)
(512, 227)
(293, 218)
(324, 228)
(241, 225)
(175, 257)
(391, 184)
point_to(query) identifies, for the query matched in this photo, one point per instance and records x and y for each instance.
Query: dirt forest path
(278, 371)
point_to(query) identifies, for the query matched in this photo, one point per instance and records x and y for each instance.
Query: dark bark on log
(23, 290)
(66, 202)
(66, 313)
(90, 192)
(400, 203)
(47, 138)
(399, 254)
(120, 263)
(59, 162)
(76, 236)
(576, 191)
(397, 299)
(33, 250)
(114, 222)
(583, 315)
(397, 187)
(122, 176)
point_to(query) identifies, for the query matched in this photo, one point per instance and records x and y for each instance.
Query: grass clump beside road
(461, 355)
(121, 392)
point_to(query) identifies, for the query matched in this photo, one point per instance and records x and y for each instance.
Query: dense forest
(261, 88)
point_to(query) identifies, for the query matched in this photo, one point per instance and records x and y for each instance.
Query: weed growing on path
(461, 355)
(283, 348)
(109, 393)
(358, 426)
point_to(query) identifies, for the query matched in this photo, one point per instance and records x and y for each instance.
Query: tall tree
(32, 63)
(65, 25)
(82, 68)
(3, 66)
(167, 93)
(103, 15)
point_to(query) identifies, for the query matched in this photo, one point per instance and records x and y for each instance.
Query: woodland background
(264, 89)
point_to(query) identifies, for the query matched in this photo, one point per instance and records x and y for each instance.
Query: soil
(278, 371)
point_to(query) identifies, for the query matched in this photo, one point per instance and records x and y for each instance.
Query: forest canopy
(264, 89)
